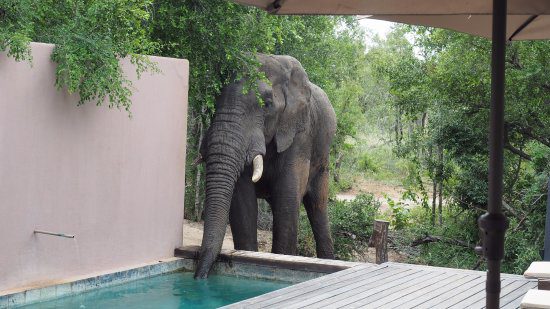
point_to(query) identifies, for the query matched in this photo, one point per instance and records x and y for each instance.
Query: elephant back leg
(316, 202)
(243, 215)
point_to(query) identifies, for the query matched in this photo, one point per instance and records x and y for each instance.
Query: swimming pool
(173, 290)
(258, 272)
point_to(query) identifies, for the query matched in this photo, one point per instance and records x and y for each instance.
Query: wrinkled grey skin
(293, 131)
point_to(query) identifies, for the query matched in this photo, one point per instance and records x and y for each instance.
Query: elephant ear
(296, 92)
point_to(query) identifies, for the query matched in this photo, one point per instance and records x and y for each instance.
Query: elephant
(278, 151)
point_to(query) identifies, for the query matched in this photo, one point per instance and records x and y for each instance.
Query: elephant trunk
(224, 163)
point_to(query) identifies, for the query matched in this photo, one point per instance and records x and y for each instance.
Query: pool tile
(83, 285)
(32, 296)
(63, 290)
(104, 279)
(143, 272)
(4, 301)
(92, 283)
(16, 299)
(47, 292)
(132, 273)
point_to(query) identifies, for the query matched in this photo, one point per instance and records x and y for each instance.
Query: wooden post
(379, 240)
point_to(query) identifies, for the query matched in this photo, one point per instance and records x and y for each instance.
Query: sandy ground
(381, 192)
(192, 235)
(192, 231)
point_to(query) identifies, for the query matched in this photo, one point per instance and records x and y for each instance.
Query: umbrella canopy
(519, 27)
(527, 19)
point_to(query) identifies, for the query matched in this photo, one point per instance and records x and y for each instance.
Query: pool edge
(257, 265)
(71, 286)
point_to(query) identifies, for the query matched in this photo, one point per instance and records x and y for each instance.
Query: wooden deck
(393, 285)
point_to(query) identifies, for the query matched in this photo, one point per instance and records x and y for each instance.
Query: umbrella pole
(494, 223)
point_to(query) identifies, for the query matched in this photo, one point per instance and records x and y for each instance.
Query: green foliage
(459, 225)
(90, 37)
(399, 214)
(367, 163)
(439, 97)
(15, 28)
(350, 223)
(219, 38)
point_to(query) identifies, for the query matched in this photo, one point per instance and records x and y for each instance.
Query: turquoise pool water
(174, 290)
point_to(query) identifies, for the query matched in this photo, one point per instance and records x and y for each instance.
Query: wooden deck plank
(365, 291)
(319, 301)
(514, 297)
(323, 287)
(417, 293)
(391, 285)
(478, 300)
(454, 270)
(440, 301)
(467, 299)
(340, 286)
(505, 296)
(517, 302)
(442, 291)
(366, 297)
(304, 287)
(395, 294)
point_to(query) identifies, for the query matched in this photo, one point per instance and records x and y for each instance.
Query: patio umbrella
(499, 20)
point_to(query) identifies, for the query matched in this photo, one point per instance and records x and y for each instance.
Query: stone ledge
(270, 259)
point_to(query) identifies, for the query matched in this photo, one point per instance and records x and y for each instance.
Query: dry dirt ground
(380, 190)
(192, 231)
(192, 235)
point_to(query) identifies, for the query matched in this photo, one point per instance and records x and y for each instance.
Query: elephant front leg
(285, 204)
(243, 215)
(285, 224)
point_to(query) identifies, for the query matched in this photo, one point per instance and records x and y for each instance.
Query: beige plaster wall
(116, 183)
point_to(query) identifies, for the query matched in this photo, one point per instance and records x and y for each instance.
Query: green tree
(441, 94)
(89, 36)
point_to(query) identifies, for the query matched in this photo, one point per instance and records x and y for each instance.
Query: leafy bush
(458, 225)
(399, 214)
(367, 163)
(265, 216)
(351, 227)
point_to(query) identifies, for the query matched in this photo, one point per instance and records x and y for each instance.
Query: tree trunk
(516, 173)
(434, 199)
(440, 201)
(434, 187)
(398, 128)
(198, 202)
(337, 165)
(440, 179)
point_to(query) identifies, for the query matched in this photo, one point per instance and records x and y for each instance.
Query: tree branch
(450, 241)
(527, 132)
(517, 152)
(511, 210)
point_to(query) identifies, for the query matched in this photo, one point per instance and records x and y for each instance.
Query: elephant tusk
(258, 164)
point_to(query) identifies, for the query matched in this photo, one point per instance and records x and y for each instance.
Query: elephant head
(238, 135)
